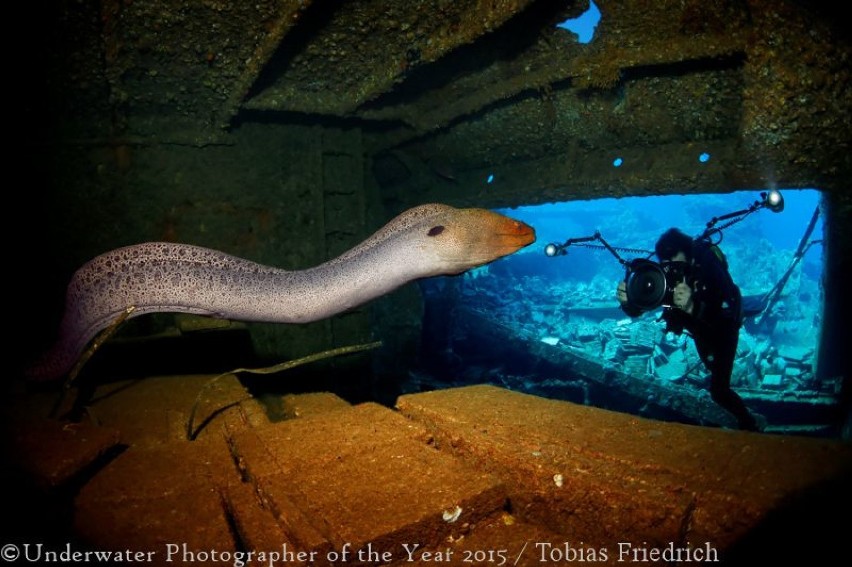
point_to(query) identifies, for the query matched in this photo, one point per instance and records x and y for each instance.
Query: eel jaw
(513, 235)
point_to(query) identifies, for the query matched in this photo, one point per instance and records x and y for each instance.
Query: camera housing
(651, 284)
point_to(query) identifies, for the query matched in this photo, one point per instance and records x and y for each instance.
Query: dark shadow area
(810, 528)
(37, 514)
(203, 352)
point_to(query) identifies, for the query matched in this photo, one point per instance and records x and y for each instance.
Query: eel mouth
(512, 235)
(521, 232)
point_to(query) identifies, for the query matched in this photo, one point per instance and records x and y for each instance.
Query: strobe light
(552, 250)
(773, 200)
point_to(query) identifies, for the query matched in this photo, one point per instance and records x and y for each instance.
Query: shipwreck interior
(288, 131)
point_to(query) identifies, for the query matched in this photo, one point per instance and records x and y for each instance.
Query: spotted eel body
(424, 241)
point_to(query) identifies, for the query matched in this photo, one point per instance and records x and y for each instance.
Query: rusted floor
(476, 475)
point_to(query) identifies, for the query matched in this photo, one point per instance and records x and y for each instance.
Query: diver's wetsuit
(714, 325)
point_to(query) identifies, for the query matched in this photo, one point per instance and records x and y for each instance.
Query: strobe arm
(554, 249)
(772, 200)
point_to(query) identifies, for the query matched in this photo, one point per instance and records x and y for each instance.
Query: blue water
(636, 222)
(559, 221)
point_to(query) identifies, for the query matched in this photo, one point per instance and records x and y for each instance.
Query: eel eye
(435, 230)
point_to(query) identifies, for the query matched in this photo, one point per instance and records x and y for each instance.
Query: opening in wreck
(563, 335)
(584, 25)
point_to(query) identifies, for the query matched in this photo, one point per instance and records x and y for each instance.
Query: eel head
(461, 239)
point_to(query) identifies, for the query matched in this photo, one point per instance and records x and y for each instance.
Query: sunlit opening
(583, 26)
(552, 308)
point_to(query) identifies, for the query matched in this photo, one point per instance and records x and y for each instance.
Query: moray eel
(424, 241)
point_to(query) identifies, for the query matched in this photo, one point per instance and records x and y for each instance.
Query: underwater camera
(651, 284)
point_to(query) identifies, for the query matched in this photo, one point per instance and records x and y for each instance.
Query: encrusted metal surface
(345, 54)
(461, 84)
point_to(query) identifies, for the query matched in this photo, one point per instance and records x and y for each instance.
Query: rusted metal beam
(289, 14)
(361, 50)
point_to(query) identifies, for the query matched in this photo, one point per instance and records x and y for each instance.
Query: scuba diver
(708, 305)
